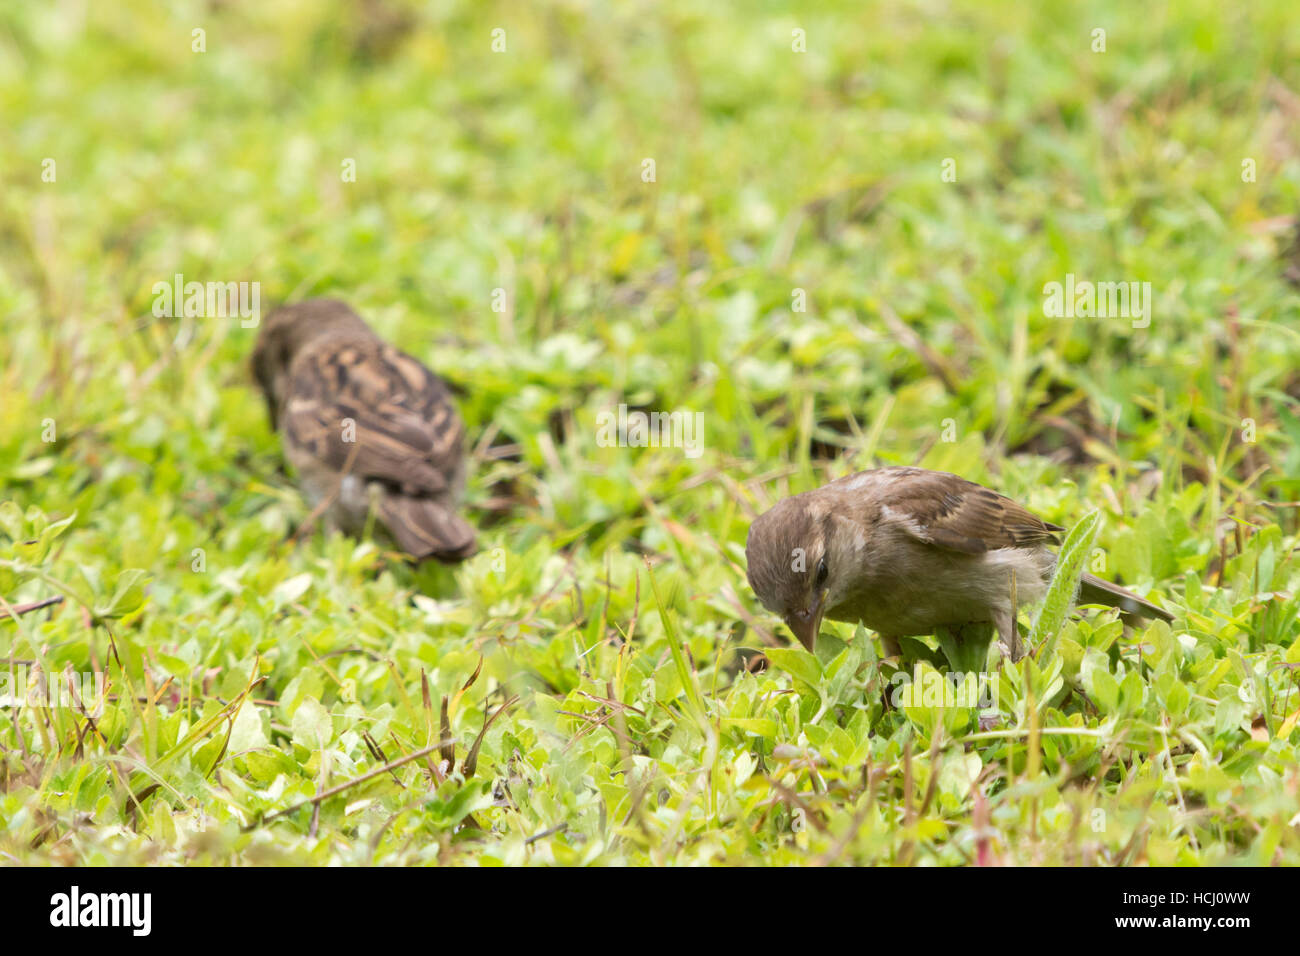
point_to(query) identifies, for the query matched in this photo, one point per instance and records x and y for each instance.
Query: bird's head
(792, 565)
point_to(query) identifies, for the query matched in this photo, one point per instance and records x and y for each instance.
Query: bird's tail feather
(426, 529)
(1093, 590)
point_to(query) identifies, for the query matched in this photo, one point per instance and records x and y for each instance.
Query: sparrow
(365, 425)
(907, 551)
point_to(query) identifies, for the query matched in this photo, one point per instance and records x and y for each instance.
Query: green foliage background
(609, 612)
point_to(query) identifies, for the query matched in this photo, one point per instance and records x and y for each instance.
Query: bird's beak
(807, 623)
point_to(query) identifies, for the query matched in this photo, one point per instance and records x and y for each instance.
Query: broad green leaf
(288, 591)
(312, 725)
(247, 733)
(762, 726)
(128, 596)
(796, 661)
(1065, 583)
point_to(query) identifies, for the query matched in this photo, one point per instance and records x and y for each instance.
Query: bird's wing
(359, 405)
(950, 512)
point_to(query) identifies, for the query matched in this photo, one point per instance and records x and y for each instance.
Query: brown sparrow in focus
(365, 425)
(907, 551)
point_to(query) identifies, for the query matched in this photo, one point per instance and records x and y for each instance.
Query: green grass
(608, 620)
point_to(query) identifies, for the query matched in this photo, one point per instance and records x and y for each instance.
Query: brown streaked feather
(950, 512)
(425, 529)
(408, 434)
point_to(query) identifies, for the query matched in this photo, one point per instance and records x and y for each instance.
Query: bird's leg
(889, 668)
(1008, 634)
(306, 527)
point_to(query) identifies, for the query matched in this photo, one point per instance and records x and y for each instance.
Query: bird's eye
(821, 572)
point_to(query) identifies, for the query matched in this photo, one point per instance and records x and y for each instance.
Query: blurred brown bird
(365, 424)
(907, 551)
